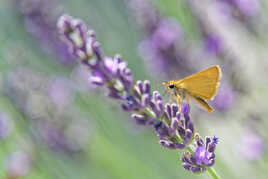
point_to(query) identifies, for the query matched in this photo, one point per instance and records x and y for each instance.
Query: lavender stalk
(174, 128)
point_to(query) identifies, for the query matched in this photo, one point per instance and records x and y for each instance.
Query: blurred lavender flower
(146, 14)
(78, 134)
(51, 135)
(18, 164)
(246, 8)
(60, 91)
(163, 44)
(40, 18)
(213, 44)
(42, 101)
(225, 98)
(6, 126)
(203, 156)
(80, 77)
(251, 146)
(147, 108)
(174, 127)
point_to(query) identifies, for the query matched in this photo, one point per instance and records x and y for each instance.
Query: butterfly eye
(171, 85)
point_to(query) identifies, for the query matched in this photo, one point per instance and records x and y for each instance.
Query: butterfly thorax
(176, 89)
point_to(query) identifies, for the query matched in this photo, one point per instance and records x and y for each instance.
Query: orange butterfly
(201, 86)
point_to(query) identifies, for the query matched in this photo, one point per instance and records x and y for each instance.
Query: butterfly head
(169, 85)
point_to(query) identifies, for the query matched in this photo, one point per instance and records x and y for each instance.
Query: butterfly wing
(203, 84)
(203, 103)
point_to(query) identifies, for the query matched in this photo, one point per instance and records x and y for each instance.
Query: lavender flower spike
(203, 156)
(173, 127)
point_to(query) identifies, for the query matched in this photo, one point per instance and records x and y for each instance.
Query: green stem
(212, 173)
(148, 112)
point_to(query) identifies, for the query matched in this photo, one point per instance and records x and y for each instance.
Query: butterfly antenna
(157, 84)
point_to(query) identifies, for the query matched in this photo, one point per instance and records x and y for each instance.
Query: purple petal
(147, 86)
(185, 109)
(208, 140)
(168, 110)
(186, 166)
(196, 169)
(179, 146)
(139, 86)
(145, 100)
(201, 155)
(174, 109)
(188, 135)
(97, 79)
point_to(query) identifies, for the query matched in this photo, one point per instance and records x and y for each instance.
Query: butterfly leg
(170, 98)
(187, 97)
(179, 102)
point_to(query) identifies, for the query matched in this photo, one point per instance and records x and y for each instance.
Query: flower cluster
(203, 156)
(243, 9)
(172, 124)
(175, 131)
(142, 100)
(54, 123)
(104, 70)
(163, 44)
(39, 19)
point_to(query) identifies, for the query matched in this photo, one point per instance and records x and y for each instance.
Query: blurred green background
(99, 139)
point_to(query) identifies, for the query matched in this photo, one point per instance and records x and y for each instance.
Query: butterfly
(201, 86)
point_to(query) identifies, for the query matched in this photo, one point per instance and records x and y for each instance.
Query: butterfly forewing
(203, 84)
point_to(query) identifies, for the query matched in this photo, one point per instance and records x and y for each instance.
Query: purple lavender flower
(243, 10)
(70, 138)
(145, 14)
(40, 22)
(189, 163)
(112, 72)
(248, 7)
(18, 164)
(175, 132)
(105, 70)
(78, 39)
(143, 99)
(225, 98)
(6, 126)
(251, 146)
(203, 156)
(51, 135)
(60, 91)
(163, 44)
(213, 44)
(245, 7)
(166, 35)
(78, 134)
(80, 78)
